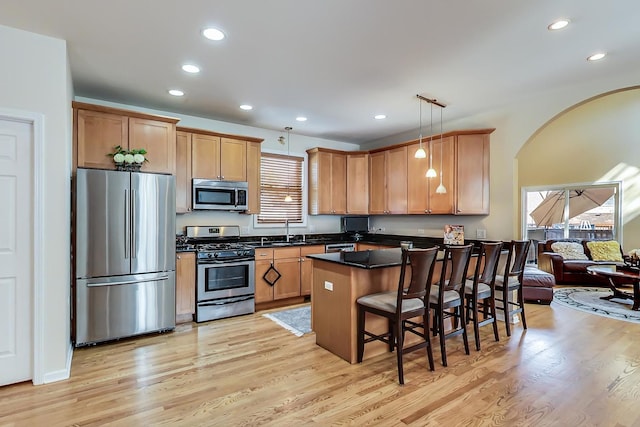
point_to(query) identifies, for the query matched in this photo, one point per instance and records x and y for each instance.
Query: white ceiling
(338, 62)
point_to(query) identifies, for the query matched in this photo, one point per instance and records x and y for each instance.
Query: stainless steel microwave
(220, 195)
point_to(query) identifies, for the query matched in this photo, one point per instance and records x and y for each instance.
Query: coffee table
(619, 278)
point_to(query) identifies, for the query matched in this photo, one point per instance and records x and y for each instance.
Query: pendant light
(441, 188)
(431, 172)
(288, 197)
(420, 154)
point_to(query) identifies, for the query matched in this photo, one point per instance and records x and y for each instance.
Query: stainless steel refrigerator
(124, 254)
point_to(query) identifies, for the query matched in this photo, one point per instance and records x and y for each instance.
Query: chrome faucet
(262, 240)
(286, 224)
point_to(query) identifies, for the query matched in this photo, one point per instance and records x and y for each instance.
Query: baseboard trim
(62, 374)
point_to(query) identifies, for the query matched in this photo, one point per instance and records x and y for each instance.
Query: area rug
(295, 320)
(588, 299)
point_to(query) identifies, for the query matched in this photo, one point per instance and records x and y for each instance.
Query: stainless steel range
(225, 277)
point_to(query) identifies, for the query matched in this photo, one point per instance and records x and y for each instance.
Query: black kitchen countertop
(368, 259)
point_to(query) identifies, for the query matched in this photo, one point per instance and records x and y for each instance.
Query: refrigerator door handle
(133, 223)
(127, 244)
(127, 282)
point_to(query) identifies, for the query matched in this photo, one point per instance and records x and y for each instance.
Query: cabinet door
(233, 159)
(320, 183)
(396, 175)
(289, 284)
(377, 183)
(205, 156)
(253, 177)
(183, 172)
(97, 135)
(357, 183)
(159, 139)
(264, 291)
(338, 179)
(472, 174)
(185, 286)
(306, 267)
(418, 183)
(442, 203)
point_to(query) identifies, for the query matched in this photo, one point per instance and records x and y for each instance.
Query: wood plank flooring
(568, 369)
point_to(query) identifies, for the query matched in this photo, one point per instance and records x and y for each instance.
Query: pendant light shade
(288, 197)
(420, 153)
(441, 188)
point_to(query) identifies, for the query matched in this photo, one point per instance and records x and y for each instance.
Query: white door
(16, 251)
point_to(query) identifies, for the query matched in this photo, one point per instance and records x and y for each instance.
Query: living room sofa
(568, 269)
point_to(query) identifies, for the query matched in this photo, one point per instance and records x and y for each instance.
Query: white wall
(597, 141)
(34, 77)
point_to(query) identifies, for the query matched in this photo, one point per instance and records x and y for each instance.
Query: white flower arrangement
(128, 160)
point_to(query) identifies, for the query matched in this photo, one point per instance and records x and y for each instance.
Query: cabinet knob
(222, 176)
(178, 257)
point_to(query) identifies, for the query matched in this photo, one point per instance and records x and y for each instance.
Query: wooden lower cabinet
(294, 268)
(289, 284)
(306, 267)
(185, 286)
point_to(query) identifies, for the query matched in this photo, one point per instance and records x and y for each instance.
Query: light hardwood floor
(568, 369)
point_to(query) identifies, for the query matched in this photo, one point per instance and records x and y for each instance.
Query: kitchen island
(339, 279)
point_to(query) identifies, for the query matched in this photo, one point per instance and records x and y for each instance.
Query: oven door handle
(225, 302)
(205, 261)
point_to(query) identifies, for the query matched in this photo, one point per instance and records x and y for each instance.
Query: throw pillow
(608, 250)
(569, 250)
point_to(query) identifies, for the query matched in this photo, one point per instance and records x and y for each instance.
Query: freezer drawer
(123, 306)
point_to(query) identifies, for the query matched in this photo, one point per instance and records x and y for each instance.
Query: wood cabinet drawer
(264, 253)
(311, 250)
(282, 253)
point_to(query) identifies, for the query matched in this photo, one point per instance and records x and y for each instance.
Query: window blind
(280, 175)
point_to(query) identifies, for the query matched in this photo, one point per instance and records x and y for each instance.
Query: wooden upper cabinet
(233, 159)
(421, 191)
(253, 176)
(358, 183)
(205, 156)
(159, 139)
(327, 182)
(442, 203)
(97, 134)
(183, 172)
(377, 183)
(472, 174)
(396, 177)
(99, 129)
(219, 158)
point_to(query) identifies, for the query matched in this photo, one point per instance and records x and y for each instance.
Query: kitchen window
(280, 175)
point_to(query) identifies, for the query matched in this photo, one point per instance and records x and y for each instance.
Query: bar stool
(512, 281)
(448, 294)
(481, 288)
(401, 305)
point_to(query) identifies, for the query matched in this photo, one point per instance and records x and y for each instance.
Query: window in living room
(591, 211)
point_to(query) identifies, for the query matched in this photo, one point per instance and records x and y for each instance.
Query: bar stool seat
(401, 308)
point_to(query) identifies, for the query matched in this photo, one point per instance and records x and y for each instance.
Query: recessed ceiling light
(190, 68)
(246, 107)
(176, 92)
(301, 119)
(558, 25)
(596, 56)
(213, 34)
(380, 116)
